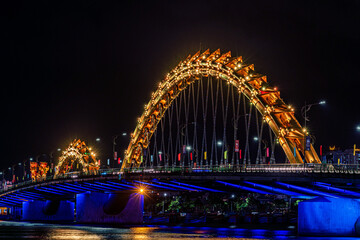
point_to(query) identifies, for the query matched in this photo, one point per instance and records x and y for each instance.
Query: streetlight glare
(97, 139)
(322, 102)
(256, 138)
(219, 143)
(358, 128)
(188, 148)
(124, 134)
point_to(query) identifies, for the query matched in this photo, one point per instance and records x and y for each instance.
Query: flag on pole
(237, 145)
(320, 150)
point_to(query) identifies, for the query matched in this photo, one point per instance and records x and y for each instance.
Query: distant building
(337, 156)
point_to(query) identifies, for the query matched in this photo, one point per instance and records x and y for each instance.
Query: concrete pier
(326, 216)
(49, 210)
(122, 208)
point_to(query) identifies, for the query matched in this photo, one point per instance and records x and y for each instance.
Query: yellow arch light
(215, 68)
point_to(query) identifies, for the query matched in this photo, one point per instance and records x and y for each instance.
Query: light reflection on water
(19, 230)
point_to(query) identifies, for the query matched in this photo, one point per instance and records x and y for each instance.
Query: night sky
(85, 69)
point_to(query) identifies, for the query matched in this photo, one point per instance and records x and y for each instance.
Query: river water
(21, 230)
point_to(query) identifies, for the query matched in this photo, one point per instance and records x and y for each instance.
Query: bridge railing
(281, 168)
(205, 169)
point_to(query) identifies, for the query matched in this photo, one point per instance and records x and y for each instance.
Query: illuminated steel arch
(242, 76)
(77, 157)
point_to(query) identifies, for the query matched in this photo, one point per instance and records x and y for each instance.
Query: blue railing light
(43, 190)
(352, 193)
(78, 186)
(51, 188)
(196, 187)
(176, 186)
(111, 185)
(32, 194)
(245, 188)
(96, 186)
(123, 185)
(155, 185)
(8, 203)
(13, 200)
(277, 190)
(307, 190)
(65, 189)
(24, 196)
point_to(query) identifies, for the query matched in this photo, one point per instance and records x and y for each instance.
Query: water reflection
(17, 230)
(73, 234)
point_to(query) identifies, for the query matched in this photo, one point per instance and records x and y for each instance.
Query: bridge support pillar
(121, 208)
(325, 216)
(49, 210)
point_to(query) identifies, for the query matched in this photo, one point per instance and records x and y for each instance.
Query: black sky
(86, 68)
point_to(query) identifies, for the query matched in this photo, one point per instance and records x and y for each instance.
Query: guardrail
(282, 168)
(259, 168)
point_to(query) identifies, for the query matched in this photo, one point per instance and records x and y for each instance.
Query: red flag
(320, 150)
(236, 145)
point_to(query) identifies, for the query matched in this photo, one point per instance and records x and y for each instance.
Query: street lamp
(304, 111)
(163, 207)
(358, 128)
(307, 107)
(219, 143)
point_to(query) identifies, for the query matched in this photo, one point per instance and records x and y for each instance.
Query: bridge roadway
(296, 181)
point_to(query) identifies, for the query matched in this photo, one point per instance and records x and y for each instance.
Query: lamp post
(115, 152)
(163, 207)
(307, 107)
(304, 111)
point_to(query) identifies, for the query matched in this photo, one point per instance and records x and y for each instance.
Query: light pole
(115, 153)
(163, 210)
(304, 111)
(307, 107)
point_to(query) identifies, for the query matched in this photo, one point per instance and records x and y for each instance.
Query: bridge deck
(293, 181)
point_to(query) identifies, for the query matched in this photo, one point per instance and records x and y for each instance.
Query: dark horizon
(85, 69)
